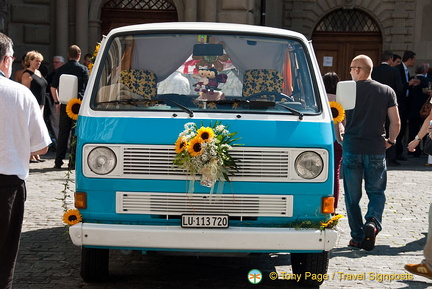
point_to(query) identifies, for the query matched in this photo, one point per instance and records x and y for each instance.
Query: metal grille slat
(173, 204)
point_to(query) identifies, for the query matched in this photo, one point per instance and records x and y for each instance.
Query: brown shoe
(354, 245)
(419, 269)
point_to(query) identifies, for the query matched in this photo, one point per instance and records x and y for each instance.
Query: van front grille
(175, 204)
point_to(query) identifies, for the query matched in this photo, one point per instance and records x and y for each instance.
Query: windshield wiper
(184, 108)
(294, 111)
(257, 104)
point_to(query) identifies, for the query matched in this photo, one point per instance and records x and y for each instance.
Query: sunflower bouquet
(204, 151)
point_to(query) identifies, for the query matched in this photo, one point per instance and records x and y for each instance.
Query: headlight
(101, 160)
(309, 165)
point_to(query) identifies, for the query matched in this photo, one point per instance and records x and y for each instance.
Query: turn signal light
(80, 200)
(327, 205)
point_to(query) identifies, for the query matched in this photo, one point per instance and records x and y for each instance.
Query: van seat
(259, 81)
(141, 82)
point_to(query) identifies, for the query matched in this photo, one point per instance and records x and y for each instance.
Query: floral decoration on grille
(204, 151)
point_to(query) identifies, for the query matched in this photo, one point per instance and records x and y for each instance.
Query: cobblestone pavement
(47, 258)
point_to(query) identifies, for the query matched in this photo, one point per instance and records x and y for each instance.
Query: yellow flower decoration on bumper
(72, 217)
(338, 111)
(332, 222)
(73, 107)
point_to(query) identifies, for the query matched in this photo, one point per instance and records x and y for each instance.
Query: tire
(310, 264)
(94, 264)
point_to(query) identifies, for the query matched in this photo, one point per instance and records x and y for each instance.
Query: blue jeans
(373, 169)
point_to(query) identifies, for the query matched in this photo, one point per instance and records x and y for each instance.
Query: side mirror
(346, 94)
(68, 87)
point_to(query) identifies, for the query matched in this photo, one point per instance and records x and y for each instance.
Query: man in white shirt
(23, 133)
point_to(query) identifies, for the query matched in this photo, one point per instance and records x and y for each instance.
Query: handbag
(427, 147)
(426, 108)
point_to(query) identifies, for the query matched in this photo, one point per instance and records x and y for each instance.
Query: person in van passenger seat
(364, 151)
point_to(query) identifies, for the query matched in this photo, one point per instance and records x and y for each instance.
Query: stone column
(62, 31)
(191, 10)
(210, 11)
(82, 24)
(273, 13)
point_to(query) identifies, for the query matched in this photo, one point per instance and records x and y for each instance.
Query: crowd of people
(44, 87)
(389, 102)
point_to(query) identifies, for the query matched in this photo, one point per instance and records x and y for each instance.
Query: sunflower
(195, 147)
(72, 108)
(206, 133)
(332, 222)
(338, 111)
(95, 52)
(90, 67)
(72, 217)
(180, 145)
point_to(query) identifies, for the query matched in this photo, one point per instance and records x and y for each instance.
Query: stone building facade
(50, 26)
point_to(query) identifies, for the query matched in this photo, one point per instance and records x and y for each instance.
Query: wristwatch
(56, 102)
(417, 137)
(390, 142)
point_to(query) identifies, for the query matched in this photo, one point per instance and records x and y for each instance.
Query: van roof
(208, 27)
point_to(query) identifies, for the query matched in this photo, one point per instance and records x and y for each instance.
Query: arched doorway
(343, 34)
(116, 13)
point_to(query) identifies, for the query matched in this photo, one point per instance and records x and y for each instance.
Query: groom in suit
(408, 61)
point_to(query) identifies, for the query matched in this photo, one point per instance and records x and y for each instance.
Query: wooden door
(116, 13)
(335, 51)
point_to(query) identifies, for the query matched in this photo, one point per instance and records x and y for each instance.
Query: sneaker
(354, 245)
(370, 231)
(419, 269)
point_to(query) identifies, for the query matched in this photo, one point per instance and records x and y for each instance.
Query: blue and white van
(151, 83)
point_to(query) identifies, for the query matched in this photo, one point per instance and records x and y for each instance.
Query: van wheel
(94, 264)
(315, 265)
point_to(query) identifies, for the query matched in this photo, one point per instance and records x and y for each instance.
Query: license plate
(204, 221)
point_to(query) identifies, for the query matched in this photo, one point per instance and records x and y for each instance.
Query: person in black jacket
(386, 74)
(66, 124)
(417, 97)
(408, 61)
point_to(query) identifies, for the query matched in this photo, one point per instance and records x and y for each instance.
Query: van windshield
(205, 72)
